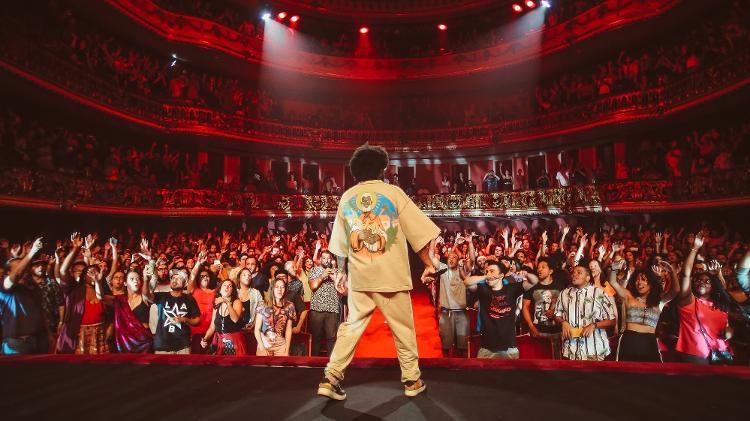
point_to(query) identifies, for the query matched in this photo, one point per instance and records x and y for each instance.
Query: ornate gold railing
(25, 187)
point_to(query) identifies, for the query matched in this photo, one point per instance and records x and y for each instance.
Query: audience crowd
(49, 147)
(666, 292)
(658, 63)
(26, 142)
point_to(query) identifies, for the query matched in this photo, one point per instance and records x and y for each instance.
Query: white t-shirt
(562, 178)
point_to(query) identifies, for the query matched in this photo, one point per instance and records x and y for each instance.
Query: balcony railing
(206, 33)
(30, 188)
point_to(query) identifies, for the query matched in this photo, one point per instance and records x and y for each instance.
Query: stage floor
(207, 388)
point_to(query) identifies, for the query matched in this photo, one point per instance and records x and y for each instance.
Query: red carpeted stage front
(207, 387)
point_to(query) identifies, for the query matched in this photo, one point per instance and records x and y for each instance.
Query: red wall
(335, 170)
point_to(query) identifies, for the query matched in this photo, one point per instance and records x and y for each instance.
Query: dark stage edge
(156, 387)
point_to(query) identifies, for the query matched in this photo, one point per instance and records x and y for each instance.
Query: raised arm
(581, 246)
(686, 292)
(565, 230)
(613, 269)
(115, 259)
(472, 250)
(15, 273)
(665, 268)
(543, 247)
(76, 242)
(194, 281)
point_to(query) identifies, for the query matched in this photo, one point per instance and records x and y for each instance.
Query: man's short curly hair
(368, 163)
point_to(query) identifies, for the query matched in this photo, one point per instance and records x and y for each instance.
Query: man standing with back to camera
(372, 226)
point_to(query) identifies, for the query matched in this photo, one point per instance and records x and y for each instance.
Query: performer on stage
(373, 224)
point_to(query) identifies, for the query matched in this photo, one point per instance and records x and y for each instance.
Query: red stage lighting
(442, 27)
(530, 4)
(281, 15)
(517, 8)
(364, 30)
(294, 19)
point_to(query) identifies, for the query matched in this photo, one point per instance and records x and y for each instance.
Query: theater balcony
(209, 42)
(24, 188)
(725, 82)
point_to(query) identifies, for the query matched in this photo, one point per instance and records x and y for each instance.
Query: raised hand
(15, 251)
(713, 267)
(618, 265)
(202, 257)
(658, 270)
(144, 248)
(565, 230)
(504, 233)
(36, 246)
(90, 240)
(602, 251)
(698, 241)
(584, 240)
(658, 237)
(76, 240)
(544, 237)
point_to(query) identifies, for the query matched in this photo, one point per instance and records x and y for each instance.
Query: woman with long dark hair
(131, 315)
(643, 300)
(703, 305)
(202, 287)
(226, 322)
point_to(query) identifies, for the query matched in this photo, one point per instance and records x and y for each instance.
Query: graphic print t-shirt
(373, 224)
(497, 310)
(172, 336)
(543, 297)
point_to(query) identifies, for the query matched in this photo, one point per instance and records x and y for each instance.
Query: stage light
(294, 19)
(517, 8)
(174, 55)
(266, 16)
(546, 4)
(530, 4)
(281, 15)
(173, 63)
(442, 27)
(364, 30)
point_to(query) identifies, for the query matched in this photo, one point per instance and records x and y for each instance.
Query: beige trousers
(396, 307)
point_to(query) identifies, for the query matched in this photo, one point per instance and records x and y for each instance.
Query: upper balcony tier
(53, 73)
(500, 51)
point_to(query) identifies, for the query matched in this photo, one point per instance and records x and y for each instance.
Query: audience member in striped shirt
(585, 312)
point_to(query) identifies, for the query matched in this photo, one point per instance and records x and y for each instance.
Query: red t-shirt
(205, 302)
(92, 313)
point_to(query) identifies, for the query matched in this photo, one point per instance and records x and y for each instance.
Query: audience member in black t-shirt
(498, 291)
(539, 302)
(23, 324)
(175, 313)
(539, 306)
